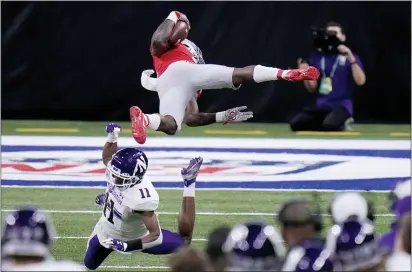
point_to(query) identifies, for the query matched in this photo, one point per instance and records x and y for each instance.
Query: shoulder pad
(149, 205)
(137, 203)
(142, 196)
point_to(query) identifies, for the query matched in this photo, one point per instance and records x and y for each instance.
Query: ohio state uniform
(177, 53)
(180, 52)
(181, 74)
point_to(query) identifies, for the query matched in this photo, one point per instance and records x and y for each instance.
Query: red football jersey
(176, 53)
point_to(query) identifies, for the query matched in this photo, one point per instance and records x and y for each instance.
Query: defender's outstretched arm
(110, 147)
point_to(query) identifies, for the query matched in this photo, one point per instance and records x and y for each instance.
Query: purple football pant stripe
(171, 242)
(95, 254)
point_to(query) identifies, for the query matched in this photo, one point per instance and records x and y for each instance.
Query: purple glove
(189, 173)
(113, 131)
(116, 244)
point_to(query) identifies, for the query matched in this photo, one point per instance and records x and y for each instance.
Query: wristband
(134, 245)
(112, 138)
(220, 116)
(352, 63)
(172, 17)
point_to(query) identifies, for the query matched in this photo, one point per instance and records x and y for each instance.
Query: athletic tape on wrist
(172, 16)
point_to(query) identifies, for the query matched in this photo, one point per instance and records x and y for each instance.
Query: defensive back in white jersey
(119, 218)
(47, 265)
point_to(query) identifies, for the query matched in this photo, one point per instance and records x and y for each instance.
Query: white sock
(220, 116)
(190, 190)
(263, 73)
(152, 121)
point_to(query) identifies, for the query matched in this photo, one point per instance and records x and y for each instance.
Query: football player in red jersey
(181, 73)
(194, 118)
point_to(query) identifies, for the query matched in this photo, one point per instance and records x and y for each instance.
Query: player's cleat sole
(310, 73)
(138, 127)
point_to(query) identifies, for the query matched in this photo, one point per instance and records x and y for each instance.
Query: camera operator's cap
(349, 204)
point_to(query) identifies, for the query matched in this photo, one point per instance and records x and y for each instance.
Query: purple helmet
(254, 246)
(353, 246)
(308, 256)
(27, 232)
(127, 167)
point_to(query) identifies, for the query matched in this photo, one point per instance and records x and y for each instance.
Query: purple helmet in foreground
(353, 246)
(27, 232)
(254, 246)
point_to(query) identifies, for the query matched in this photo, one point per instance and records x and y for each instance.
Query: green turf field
(10, 127)
(75, 214)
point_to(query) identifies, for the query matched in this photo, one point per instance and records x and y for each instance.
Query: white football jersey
(119, 218)
(47, 265)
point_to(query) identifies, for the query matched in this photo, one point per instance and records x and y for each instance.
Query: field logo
(275, 166)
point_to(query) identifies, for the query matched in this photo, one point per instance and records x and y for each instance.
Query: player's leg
(155, 121)
(95, 253)
(309, 119)
(174, 94)
(211, 76)
(335, 120)
(259, 73)
(171, 113)
(192, 110)
(170, 243)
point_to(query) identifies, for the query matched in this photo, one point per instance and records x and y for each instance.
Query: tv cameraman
(338, 66)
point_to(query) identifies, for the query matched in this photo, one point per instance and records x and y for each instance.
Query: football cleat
(189, 173)
(310, 73)
(138, 124)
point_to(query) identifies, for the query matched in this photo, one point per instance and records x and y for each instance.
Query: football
(179, 32)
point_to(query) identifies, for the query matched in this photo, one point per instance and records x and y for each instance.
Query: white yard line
(87, 237)
(131, 267)
(202, 189)
(215, 142)
(175, 213)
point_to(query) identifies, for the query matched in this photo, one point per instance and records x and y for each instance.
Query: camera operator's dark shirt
(342, 80)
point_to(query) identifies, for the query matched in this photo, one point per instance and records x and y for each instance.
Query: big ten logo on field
(281, 164)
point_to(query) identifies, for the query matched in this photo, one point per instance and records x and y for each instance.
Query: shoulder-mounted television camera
(325, 41)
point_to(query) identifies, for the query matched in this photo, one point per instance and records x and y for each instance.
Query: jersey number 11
(110, 203)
